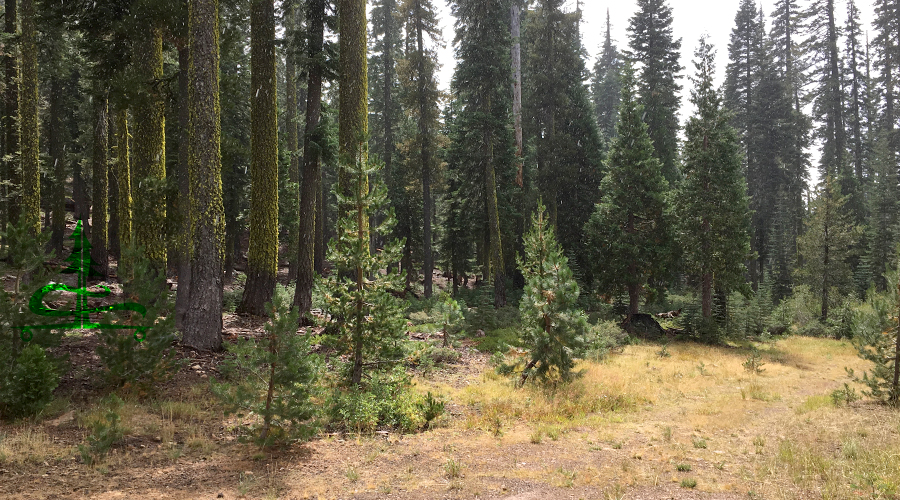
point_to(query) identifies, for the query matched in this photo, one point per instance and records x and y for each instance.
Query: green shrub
(273, 379)
(231, 298)
(876, 339)
(387, 400)
(28, 386)
(106, 431)
(601, 338)
(754, 362)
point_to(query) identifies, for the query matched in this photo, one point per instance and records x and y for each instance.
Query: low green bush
(28, 385)
(106, 431)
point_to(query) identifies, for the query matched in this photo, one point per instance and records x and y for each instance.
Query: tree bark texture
(516, 53)
(183, 248)
(112, 226)
(496, 248)
(150, 150)
(58, 163)
(100, 195)
(290, 73)
(123, 171)
(312, 164)
(28, 116)
(354, 104)
(262, 265)
(424, 78)
(203, 319)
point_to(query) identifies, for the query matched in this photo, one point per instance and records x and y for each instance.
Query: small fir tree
(357, 295)
(553, 328)
(880, 344)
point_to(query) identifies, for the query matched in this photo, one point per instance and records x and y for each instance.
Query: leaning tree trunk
(262, 259)
(100, 195)
(312, 164)
(203, 319)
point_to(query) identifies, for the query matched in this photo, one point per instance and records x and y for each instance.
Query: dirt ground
(688, 422)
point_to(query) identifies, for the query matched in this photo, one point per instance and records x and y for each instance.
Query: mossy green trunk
(11, 115)
(203, 320)
(150, 149)
(28, 114)
(58, 162)
(100, 193)
(262, 265)
(353, 128)
(123, 170)
(312, 164)
(290, 75)
(183, 249)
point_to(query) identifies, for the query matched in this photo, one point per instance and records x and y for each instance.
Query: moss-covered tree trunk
(203, 320)
(11, 114)
(150, 149)
(312, 163)
(262, 265)
(28, 114)
(183, 248)
(354, 105)
(290, 118)
(123, 172)
(100, 195)
(58, 162)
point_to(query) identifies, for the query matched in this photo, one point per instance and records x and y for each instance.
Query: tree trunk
(321, 218)
(203, 318)
(496, 249)
(424, 154)
(262, 259)
(112, 226)
(185, 201)
(291, 123)
(706, 294)
(895, 386)
(11, 116)
(312, 165)
(516, 53)
(100, 194)
(28, 116)
(353, 110)
(58, 162)
(124, 173)
(150, 150)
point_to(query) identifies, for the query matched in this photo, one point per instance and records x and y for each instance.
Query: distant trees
(606, 85)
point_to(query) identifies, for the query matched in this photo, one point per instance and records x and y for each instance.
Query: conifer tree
(606, 85)
(262, 259)
(100, 175)
(711, 203)
(857, 88)
(553, 326)
(827, 247)
(882, 225)
(10, 115)
(887, 61)
(481, 83)
(742, 75)
(353, 111)
(652, 44)
(627, 233)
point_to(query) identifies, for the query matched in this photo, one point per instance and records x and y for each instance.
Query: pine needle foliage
(878, 341)
(553, 329)
(274, 378)
(368, 321)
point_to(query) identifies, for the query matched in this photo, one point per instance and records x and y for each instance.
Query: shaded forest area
(264, 221)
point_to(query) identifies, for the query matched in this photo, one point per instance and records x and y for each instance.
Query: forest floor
(650, 422)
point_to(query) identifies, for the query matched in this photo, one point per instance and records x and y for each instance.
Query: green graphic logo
(80, 263)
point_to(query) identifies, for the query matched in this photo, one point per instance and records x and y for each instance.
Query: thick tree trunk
(516, 53)
(185, 242)
(291, 123)
(203, 319)
(11, 116)
(150, 150)
(262, 259)
(312, 165)
(706, 295)
(123, 168)
(353, 110)
(100, 195)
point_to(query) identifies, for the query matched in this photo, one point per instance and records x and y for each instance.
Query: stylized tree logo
(80, 263)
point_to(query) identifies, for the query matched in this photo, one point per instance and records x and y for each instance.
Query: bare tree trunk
(516, 53)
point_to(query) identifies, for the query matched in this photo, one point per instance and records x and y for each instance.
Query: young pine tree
(369, 320)
(553, 327)
(880, 344)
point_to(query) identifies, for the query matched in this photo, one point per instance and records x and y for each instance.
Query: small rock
(479, 333)
(204, 376)
(157, 439)
(195, 367)
(220, 495)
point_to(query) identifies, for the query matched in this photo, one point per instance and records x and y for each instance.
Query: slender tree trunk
(123, 168)
(312, 165)
(203, 318)
(185, 242)
(28, 115)
(706, 290)
(11, 116)
(100, 194)
(112, 226)
(321, 218)
(150, 150)
(516, 53)
(895, 386)
(291, 123)
(496, 248)
(825, 263)
(262, 260)
(424, 153)
(58, 163)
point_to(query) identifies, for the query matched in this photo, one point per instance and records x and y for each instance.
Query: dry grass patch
(31, 445)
